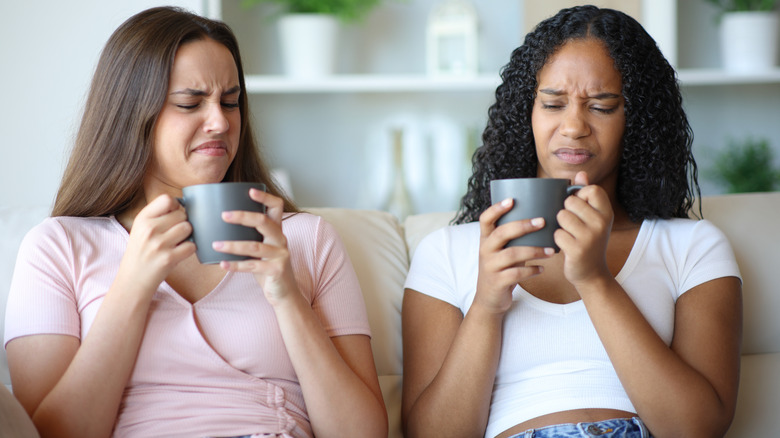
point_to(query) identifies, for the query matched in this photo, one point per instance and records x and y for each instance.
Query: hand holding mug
(205, 204)
(502, 266)
(533, 198)
(586, 223)
(268, 260)
(157, 243)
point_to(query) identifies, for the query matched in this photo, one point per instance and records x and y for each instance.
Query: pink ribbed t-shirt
(217, 367)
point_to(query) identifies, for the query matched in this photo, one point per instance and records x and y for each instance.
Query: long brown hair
(113, 147)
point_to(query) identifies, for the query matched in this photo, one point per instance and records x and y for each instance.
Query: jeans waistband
(615, 428)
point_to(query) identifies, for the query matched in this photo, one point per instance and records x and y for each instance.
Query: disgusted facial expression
(578, 117)
(197, 132)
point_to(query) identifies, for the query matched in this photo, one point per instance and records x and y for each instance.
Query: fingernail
(537, 221)
(549, 251)
(227, 214)
(506, 202)
(217, 245)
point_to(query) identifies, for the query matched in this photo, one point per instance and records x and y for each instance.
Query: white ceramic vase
(308, 44)
(749, 41)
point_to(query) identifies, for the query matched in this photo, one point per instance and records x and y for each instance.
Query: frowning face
(578, 118)
(197, 131)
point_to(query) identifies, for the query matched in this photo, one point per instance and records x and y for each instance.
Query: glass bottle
(399, 203)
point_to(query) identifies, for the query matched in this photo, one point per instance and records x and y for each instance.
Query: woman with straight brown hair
(114, 328)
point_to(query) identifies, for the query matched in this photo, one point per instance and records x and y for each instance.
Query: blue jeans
(618, 428)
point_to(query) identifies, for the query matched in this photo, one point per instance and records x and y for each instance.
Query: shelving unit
(278, 84)
(714, 77)
(369, 84)
(331, 133)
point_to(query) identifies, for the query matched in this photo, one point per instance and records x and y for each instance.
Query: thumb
(581, 178)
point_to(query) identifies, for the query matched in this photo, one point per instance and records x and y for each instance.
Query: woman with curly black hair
(634, 326)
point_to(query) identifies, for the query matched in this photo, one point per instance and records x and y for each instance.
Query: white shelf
(694, 77)
(277, 84)
(369, 84)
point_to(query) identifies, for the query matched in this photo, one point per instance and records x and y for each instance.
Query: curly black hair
(657, 176)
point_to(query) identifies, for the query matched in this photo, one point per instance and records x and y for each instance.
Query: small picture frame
(451, 46)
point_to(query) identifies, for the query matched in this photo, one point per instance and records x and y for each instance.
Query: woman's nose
(574, 123)
(216, 121)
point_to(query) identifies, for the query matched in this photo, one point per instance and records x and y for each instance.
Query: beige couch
(380, 249)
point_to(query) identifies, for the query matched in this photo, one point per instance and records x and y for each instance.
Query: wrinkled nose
(574, 124)
(216, 122)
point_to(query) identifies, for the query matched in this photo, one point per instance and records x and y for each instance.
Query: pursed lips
(573, 156)
(213, 148)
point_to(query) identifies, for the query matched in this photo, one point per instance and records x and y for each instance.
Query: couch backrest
(751, 223)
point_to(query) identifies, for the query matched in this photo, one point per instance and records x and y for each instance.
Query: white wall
(48, 51)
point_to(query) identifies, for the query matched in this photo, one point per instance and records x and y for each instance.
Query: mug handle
(573, 189)
(183, 204)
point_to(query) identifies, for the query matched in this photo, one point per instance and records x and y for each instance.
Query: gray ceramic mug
(534, 197)
(205, 203)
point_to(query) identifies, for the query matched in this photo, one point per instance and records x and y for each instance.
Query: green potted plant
(745, 167)
(346, 10)
(308, 32)
(749, 34)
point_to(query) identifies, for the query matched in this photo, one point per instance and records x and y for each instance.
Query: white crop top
(551, 357)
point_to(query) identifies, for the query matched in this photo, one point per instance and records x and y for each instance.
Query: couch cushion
(759, 397)
(418, 226)
(750, 222)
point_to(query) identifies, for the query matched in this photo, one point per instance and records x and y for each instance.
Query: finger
(568, 220)
(252, 249)
(516, 256)
(512, 230)
(274, 205)
(179, 232)
(517, 274)
(264, 224)
(488, 218)
(252, 265)
(564, 240)
(581, 178)
(161, 206)
(591, 200)
(183, 250)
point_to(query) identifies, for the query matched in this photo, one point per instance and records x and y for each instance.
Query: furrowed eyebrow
(600, 96)
(551, 91)
(199, 93)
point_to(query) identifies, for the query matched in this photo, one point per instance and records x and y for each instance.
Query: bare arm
(337, 376)
(450, 364)
(450, 360)
(687, 390)
(74, 389)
